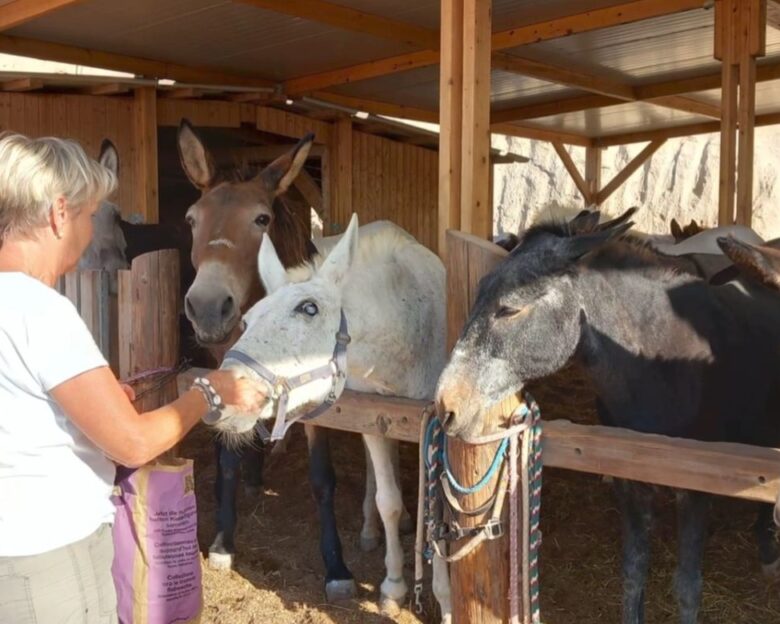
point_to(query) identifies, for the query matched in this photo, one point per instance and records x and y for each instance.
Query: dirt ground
(277, 576)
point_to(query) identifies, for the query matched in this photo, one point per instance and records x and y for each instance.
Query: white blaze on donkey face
(293, 329)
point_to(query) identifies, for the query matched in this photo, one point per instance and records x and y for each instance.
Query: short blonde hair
(35, 172)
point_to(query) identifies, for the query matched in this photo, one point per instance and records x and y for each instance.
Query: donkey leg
(370, 536)
(223, 547)
(407, 524)
(692, 508)
(253, 460)
(339, 583)
(441, 586)
(635, 501)
(388, 501)
(768, 551)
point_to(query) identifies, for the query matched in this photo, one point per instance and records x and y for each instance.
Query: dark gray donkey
(666, 352)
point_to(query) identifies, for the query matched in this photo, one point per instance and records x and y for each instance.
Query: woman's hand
(241, 393)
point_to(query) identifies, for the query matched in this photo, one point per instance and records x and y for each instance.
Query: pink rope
(514, 564)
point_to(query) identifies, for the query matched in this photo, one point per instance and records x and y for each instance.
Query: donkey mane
(379, 241)
(626, 251)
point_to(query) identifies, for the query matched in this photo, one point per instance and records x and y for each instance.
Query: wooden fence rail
(735, 470)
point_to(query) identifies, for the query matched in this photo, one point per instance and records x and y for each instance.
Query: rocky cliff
(680, 180)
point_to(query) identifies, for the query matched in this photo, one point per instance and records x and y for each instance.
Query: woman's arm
(97, 404)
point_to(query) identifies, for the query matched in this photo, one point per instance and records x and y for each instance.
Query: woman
(64, 418)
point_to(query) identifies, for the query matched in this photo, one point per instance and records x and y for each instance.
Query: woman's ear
(58, 217)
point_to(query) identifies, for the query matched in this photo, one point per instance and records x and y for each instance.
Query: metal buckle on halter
(493, 529)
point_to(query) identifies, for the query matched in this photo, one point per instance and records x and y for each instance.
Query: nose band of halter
(335, 370)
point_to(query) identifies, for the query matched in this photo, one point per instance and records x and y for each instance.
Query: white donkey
(390, 289)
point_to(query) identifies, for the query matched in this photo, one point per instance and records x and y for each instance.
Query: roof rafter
(35, 48)
(625, 13)
(20, 12)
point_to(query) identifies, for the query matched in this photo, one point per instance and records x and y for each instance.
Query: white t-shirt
(55, 485)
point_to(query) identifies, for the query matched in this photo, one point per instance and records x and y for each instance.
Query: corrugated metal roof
(617, 120)
(210, 33)
(240, 39)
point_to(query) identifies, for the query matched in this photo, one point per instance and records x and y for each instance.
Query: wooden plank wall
(87, 119)
(395, 181)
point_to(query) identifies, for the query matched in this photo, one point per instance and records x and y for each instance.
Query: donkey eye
(507, 312)
(263, 220)
(308, 307)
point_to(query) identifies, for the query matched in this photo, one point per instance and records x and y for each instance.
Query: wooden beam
(262, 153)
(726, 17)
(450, 119)
(540, 134)
(254, 96)
(561, 75)
(379, 108)
(341, 164)
(721, 468)
(688, 105)
(707, 127)
(183, 93)
(145, 126)
(586, 21)
(34, 48)
(111, 88)
(571, 167)
(22, 84)
(630, 168)
(476, 213)
(592, 171)
(557, 107)
(20, 12)
(350, 19)
(625, 13)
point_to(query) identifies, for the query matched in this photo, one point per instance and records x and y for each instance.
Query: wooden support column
(740, 27)
(476, 214)
(340, 169)
(479, 580)
(145, 127)
(450, 118)
(592, 171)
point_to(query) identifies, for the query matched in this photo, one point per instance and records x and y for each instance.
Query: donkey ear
(196, 160)
(272, 272)
(339, 261)
(760, 263)
(677, 232)
(608, 225)
(281, 173)
(585, 221)
(578, 246)
(109, 157)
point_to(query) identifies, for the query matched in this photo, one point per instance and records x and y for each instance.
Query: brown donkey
(228, 223)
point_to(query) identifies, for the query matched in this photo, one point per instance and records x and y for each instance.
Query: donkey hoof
(220, 561)
(390, 607)
(407, 524)
(340, 589)
(369, 543)
(771, 570)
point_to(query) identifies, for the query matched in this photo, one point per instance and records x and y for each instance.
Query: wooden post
(592, 172)
(476, 213)
(450, 118)
(148, 322)
(480, 581)
(340, 164)
(740, 27)
(145, 117)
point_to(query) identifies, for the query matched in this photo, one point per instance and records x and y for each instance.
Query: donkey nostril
(227, 307)
(446, 418)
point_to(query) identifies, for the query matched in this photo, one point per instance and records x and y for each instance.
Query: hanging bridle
(281, 387)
